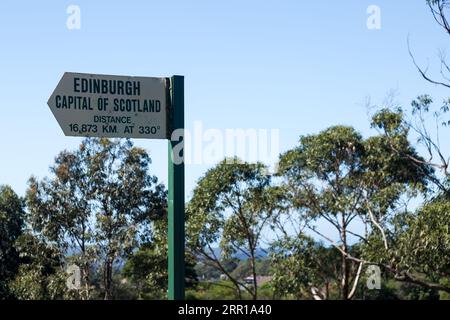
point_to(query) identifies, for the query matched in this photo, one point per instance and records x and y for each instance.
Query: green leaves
(426, 243)
(234, 188)
(421, 104)
(320, 154)
(99, 203)
(40, 275)
(11, 225)
(391, 122)
(231, 206)
(336, 176)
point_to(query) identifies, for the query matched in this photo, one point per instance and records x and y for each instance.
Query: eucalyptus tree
(419, 247)
(59, 210)
(337, 177)
(41, 275)
(232, 204)
(11, 227)
(418, 243)
(146, 268)
(303, 268)
(423, 250)
(423, 124)
(99, 202)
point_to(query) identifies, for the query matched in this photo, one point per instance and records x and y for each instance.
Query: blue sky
(297, 66)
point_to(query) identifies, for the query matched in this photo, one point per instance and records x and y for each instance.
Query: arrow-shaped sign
(110, 106)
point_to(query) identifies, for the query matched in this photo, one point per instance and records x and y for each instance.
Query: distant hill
(260, 253)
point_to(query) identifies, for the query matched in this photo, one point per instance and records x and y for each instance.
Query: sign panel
(91, 105)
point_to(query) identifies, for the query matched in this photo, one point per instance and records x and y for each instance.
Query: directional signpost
(110, 106)
(107, 106)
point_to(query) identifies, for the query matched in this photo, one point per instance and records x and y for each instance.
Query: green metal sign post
(176, 195)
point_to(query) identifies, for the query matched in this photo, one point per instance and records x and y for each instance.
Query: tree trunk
(86, 282)
(344, 264)
(85, 269)
(108, 279)
(255, 282)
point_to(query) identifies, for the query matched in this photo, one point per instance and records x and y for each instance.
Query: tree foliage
(338, 177)
(99, 203)
(231, 205)
(11, 227)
